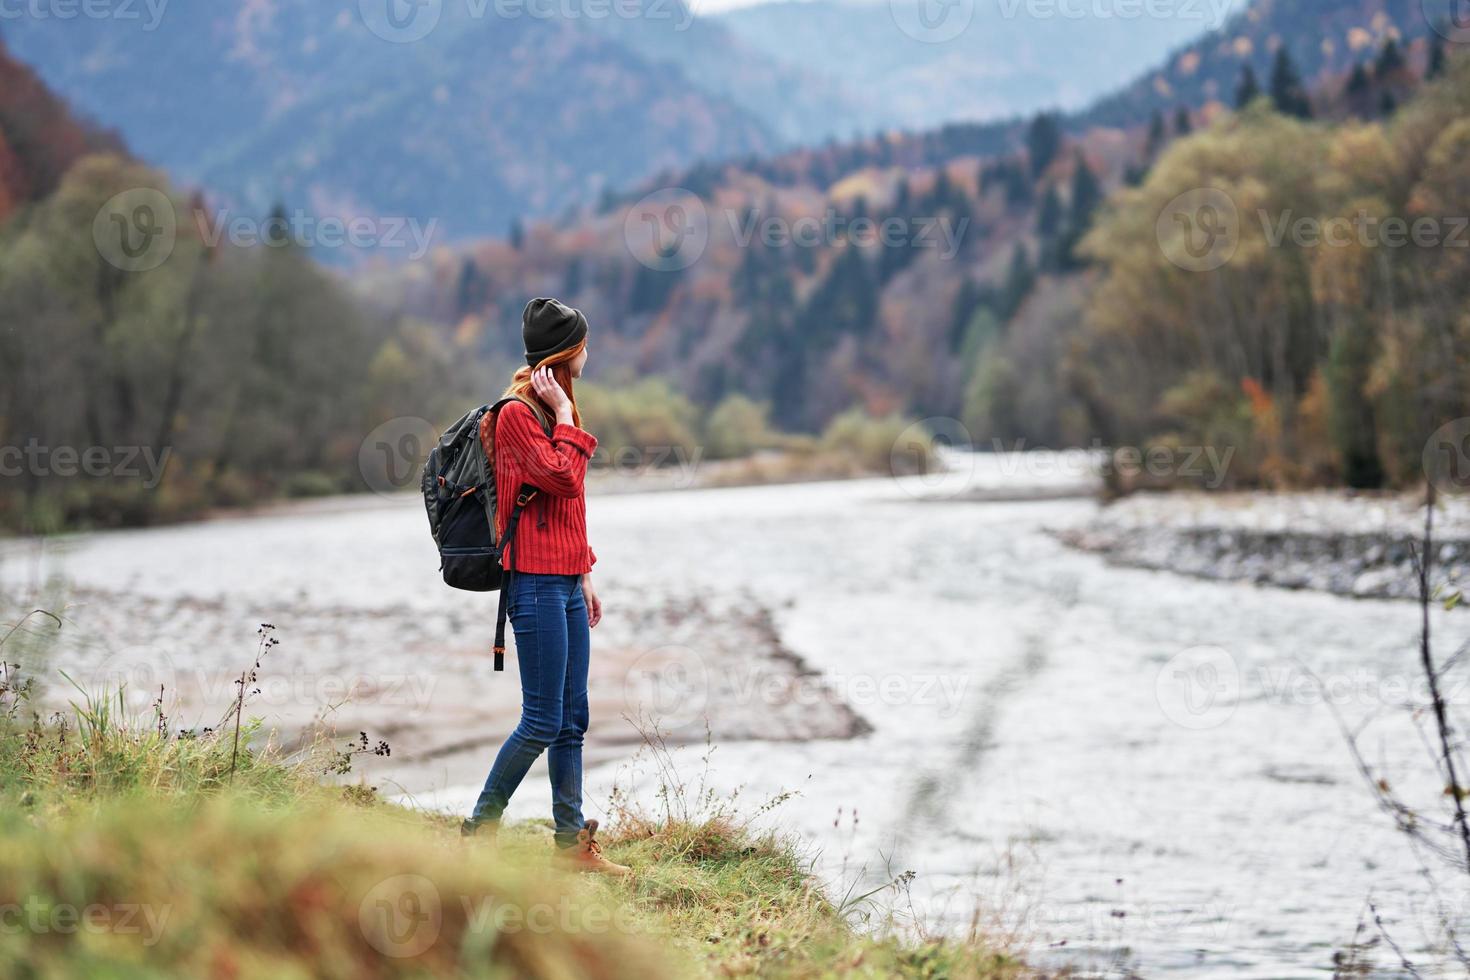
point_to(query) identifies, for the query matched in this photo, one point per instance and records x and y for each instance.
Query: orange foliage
(1260, 401)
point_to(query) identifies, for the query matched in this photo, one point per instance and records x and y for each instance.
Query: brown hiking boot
(485, 835)
(586, 854)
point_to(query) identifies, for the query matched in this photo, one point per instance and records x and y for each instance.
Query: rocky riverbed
(378, 645)
(1129, 769)
(1332, 541)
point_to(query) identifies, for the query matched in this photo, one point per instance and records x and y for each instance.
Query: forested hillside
(220, 374)
(1326, 41)
(1325, 336)
(1020, 257)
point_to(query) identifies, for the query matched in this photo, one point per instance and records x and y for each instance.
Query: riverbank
(137, 846)
(1011, 682)
(417, 673)
(1349, 544)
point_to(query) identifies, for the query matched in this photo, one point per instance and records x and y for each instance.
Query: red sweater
(551, 538)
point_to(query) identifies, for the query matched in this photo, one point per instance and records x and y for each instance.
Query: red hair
(561, 369)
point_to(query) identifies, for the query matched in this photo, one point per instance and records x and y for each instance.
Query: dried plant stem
(34, 612)
(1441, 716)
(239, 709)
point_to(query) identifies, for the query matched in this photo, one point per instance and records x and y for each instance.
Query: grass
(129, 849)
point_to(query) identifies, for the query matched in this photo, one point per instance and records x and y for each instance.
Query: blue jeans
(553, 648)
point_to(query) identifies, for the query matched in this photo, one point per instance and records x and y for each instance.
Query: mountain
(484, 119)
(973, 311)
(1005, 58)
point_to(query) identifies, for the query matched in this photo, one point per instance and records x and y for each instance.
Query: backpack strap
(523, 498)
(495, 410)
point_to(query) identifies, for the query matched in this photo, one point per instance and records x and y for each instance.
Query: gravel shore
(1333, 541)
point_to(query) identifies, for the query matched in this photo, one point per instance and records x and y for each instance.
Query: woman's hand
(546, 388)
(594, 604)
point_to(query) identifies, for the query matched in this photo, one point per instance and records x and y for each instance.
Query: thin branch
(1441, 716)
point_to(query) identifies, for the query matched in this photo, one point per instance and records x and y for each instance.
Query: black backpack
(459, 494)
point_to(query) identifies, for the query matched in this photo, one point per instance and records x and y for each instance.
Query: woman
(539, 440)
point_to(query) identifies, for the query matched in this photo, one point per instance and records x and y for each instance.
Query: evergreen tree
(1156, 136)
(652, 287)
(1043, 141)
(1086, 196)
(1390, 60)
(965, 303)
(1018, 188)
(763, 287)
(1182, 124)
(1020, 279)
(746, 282)
(1358, 89)
(896, 256)
(843, 303)
(517, 234)
(1287, 93)
(1248, 89)
(1358, 82)
(1049, 216)
(941, 197)
(277, 232)
(468, 292)
(1059, 254)
(1435, 66)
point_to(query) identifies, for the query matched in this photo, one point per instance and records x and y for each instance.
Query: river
(1120, 770)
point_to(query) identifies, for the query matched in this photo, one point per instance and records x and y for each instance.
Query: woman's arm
(594, 602)
(557, 465)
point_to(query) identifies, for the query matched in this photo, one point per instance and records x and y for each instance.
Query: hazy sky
(1224, 7)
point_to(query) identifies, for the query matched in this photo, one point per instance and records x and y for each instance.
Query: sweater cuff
(580, 439)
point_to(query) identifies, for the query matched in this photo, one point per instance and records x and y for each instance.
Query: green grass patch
(129, 849)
